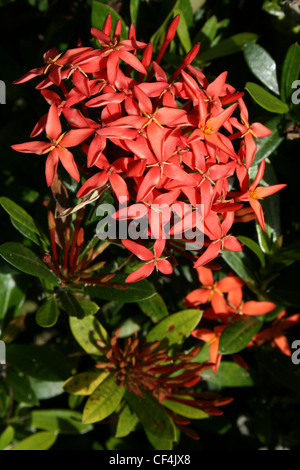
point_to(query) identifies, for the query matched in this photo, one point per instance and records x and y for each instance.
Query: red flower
(212, 291)
(153, 260)
(275, 333)
(256, 192)
(57, 148)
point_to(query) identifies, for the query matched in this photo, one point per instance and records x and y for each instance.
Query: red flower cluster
(222, 310)
(149, 138)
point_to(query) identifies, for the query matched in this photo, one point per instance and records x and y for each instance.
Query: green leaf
(21, 387)
(184, 410)
(197, 4)
(152, 415)
(131, 293)
(273, 8)
(241, 265)
(21, 220)
(226, 47)
(46, 362)
(38, 441)
(265, 99)
(175, 328)
(99, 14)
(11, 296)
(254, 247)
(267, 145)
(290, 71)
(103, 402)
(27, 261)
(44, 389)
(59, 421)
(86, 332)
(183, 32)
(89, 307)
(134, 10)
(264, 240)
(229, 374)
(207, 33)
(237, 335)
(47, 315)
(129, 326)
(127, 422)
(186, 8)
(158, 443)
(154, 307)
(70, 304)
(85, 383)
(261, 65)
(6, 437)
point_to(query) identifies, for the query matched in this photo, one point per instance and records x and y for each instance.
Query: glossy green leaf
(237, 335)
(6, 437)
(27, 261)
(183, 32)
(86, 332)
(254, 247)
(39, 441)
(85, 383)
(99, 14)
(290, 71)
(21, 387)
(44, 390)
(89, 307)
(183, 409)
(175, 328)
(21, 220)
(152, 415)
(229, 374)
(241, 265)
(207, 32)
(197, 4)
(186, 8)
(261, 65)
(264, 240)
(129, 326)
(127, 422)
(131, 293)
(265, 99)
(70, 303)
(47, 362)
(158, 443)
(103, 402)
(134, 10)
(226, 47)
(59, 421)
(273, 8)
(154, 307)
(47, 315)
(12, 296)
(267, 145)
